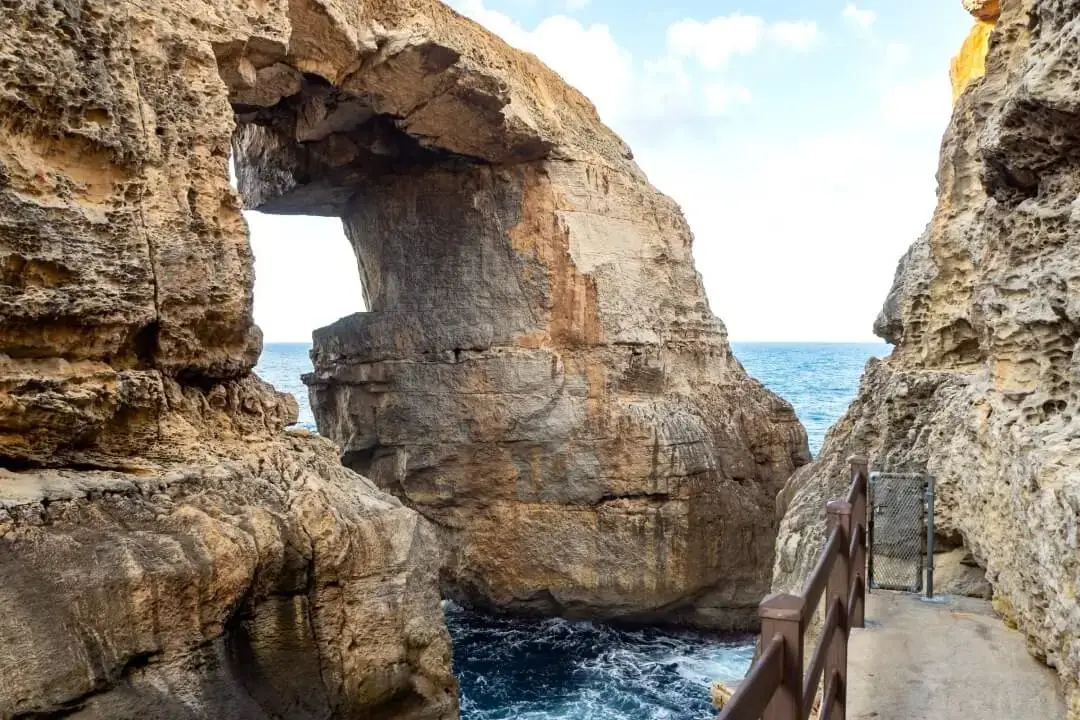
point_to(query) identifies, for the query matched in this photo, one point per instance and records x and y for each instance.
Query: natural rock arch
(191, 554)
(539, 373)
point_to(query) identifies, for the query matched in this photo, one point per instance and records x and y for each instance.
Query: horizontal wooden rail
(819, 577)
(776, 688)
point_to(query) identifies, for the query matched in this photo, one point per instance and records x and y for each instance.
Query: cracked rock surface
(981, 388)
(273, 584)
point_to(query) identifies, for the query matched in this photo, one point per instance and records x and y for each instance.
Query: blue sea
(561, 670)
(819, 379)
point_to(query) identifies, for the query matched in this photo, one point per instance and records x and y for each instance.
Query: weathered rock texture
(539, 373)
(166, 550)
(985, 10)
(277, 584)
(970, 63)
(957, 573)
(981, 388)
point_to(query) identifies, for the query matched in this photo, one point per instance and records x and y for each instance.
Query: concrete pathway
(944, 660)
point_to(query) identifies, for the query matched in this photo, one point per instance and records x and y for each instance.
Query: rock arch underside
(981, 389)
(541, 410)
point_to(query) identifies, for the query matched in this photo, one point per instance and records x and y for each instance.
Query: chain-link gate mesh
(897, 531)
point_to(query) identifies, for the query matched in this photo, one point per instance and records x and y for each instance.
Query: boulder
(274, 584)
(985, 10)
(958, 573)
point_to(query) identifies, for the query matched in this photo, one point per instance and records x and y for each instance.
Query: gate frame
(928, 520)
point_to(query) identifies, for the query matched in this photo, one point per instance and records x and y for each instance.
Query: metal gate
(901, 532)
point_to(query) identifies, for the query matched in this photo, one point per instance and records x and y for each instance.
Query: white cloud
(720, 99)
(909, 101)
(664, 86)
(297, 291)
(800, 36)
(712, 43)
(861, 19)
(819, 219)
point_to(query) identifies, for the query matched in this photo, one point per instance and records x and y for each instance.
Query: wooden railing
(776, 687)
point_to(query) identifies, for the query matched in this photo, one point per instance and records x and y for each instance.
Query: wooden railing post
(775, 688)
(839, 513)
(783, 615)
(860, 522)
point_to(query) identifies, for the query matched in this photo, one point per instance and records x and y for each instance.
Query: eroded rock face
(981, 388)
(970, 62)
(986, 10)
(275, 584)
(166, 550)
(539, 373)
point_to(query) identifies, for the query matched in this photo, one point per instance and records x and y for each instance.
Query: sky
(800, 138)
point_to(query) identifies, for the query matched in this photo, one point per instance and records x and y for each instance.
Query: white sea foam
(562, 670)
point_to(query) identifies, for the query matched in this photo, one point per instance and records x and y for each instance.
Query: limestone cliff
(981, 387)
(539, 373)
(970, 63)
(166, 550)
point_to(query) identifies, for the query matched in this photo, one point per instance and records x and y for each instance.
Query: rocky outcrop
(276, 584)
(958, 573)
(721, 694)
(983, 10)
(981, 387)
(166, 550)
(970, 63)
(539, 373)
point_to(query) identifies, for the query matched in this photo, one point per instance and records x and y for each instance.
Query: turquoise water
(282, 364)
(561, 670)
(819, 379)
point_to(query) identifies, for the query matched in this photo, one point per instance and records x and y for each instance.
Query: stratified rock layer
(166, 550)
(274, 585)
(539, 373)
(981, 388)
